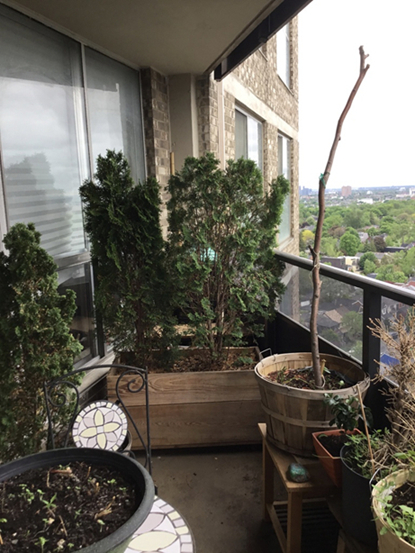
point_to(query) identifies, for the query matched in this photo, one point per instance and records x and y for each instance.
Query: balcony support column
(372, 305)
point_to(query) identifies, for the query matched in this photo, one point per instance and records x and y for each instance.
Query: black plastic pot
(118, 541)
(356, 504)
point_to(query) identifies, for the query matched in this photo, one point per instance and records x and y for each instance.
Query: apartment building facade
(75, 80)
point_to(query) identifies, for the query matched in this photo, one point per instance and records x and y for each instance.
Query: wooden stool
(319, 486)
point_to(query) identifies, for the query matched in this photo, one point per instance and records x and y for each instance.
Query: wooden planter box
(197, 408)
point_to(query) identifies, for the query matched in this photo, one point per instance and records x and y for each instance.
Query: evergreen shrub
(222, 234)
(35, 339)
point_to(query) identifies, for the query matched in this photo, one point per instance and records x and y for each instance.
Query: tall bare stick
(315, 251)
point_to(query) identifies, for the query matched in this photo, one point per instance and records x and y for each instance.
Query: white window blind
(114, 110)
(42, 131)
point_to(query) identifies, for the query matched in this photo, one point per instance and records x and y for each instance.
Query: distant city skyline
(378, 142)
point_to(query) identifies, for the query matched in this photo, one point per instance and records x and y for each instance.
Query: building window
(284, 168)
(283, 54)
(248, 137)
(52, 129)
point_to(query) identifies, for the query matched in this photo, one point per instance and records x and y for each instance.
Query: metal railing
(373, 292)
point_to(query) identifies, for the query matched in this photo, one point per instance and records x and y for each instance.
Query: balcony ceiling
(172, 36)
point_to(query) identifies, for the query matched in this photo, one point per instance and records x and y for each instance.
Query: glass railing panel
(340, 317)
(391, 312)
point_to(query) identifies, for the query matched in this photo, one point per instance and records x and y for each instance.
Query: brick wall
(229, 125)
(207, 109)
(259, 75)
(157, 129)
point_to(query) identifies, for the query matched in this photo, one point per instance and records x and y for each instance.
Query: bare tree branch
(315, 252)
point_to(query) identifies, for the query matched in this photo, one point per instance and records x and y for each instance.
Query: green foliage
(370, 256)
(329, 247)
(346, 411)
(35, 339)
(356, 217)
(350, 243)
(399, 518)
(352, 324)
(222, 234)
(132, 289)
(390, 273)
(408, 262)
(358, 456)
(369, 246)
(369, 267)
(306, 239)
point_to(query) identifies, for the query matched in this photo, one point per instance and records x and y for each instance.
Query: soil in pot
(198, 359)
(403, 495)
(63, 508)
(304, 379)
(333, 443)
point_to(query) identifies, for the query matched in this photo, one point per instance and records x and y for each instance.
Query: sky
(377, 146)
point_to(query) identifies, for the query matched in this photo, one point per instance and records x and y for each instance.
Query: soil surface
(201, 361)
(304, 379)
(63, 509)
(404, 495)
(193, 360)
(333, 443)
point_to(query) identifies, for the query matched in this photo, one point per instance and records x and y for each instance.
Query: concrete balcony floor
(218, 492)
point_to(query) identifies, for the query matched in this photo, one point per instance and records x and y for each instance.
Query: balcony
(218, 490)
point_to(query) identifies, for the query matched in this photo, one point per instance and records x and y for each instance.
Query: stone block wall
(207, 109)
(157, 130)
(259, 75)
(229, 125)
(261, 86)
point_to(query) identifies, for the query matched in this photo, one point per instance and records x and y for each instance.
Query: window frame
(250, 117)
(285, 168)
(75, 259)
(284, 54)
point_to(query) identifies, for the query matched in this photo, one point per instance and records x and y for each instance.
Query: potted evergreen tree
(222, 231)
(225, 279)
(132, 291)
(35, 339)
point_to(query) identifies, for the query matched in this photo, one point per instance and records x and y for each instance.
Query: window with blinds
(52, 128)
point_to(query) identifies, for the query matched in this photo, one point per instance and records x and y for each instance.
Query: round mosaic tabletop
(101, 424)
(163, 531)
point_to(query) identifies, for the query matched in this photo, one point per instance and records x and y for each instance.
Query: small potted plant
(75, 499)
(327, 444)
(362, 457)
(358, 468)
(393, 504)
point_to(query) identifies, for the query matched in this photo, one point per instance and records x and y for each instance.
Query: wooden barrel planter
(293, 414)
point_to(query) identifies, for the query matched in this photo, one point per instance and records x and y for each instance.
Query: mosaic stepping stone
(163, 531)
(100, 425)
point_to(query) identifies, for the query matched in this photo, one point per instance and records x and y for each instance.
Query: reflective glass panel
(42, 131)
(114, 110)
(78, 279)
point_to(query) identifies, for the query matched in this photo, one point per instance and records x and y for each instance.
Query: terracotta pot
(332, 465)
